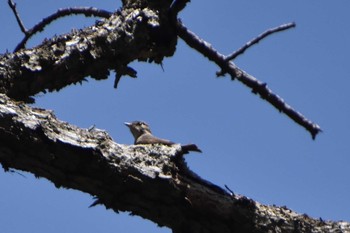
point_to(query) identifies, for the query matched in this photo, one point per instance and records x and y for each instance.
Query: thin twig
(230, 191)
(19, 21)
(87, 11)
(16, 172)
(258, 39)
(257, 86)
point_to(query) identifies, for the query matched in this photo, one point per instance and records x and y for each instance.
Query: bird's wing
(150, 139)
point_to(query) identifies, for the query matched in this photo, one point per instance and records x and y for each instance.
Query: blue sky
(247, 144)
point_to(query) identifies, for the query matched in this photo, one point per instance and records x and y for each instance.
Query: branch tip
(256, 40)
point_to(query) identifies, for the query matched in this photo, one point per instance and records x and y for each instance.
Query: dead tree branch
(149, 181)
(132, 34)
(235, 72)
(256, 40)
(15, 12)
(58, 62)
(87, 11)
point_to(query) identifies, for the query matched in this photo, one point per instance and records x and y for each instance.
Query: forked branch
(235, 72)
(201, 46)
(257, 39)
(87, 11)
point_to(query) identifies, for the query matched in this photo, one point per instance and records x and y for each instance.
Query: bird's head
(138, 128)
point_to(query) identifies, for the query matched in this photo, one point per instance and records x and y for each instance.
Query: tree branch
(153, 182)
(87, 11)
(132, 34)
(254, 41)
(19, 21)
(112, 44)
(235, 72)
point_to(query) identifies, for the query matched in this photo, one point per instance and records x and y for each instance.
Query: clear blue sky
(247, 144)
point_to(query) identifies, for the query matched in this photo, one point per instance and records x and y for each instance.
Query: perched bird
(143, 135)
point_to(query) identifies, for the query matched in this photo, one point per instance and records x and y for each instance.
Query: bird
(143, 135)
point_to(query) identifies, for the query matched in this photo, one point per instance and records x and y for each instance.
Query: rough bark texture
(150, 181)
(144, 30)
(141, 31)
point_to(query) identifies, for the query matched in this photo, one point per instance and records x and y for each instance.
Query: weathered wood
(141, 33)
(150, 181)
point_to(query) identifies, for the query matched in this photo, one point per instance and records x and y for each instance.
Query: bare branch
(19, 21)
(258, 39)
(257, 86)
(87, 11)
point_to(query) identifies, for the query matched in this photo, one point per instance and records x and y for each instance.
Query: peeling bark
(150, 181)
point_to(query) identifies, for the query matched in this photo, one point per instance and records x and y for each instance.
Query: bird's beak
(127, 124)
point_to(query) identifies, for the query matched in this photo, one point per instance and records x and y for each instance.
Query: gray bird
(143, 135)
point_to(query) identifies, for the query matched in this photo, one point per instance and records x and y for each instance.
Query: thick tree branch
(153, 182)
(235, 72)
(150, 181)
(131, 34)
(142, 34)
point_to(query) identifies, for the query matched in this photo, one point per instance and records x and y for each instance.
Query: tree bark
(152, 181)
(138, 32)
